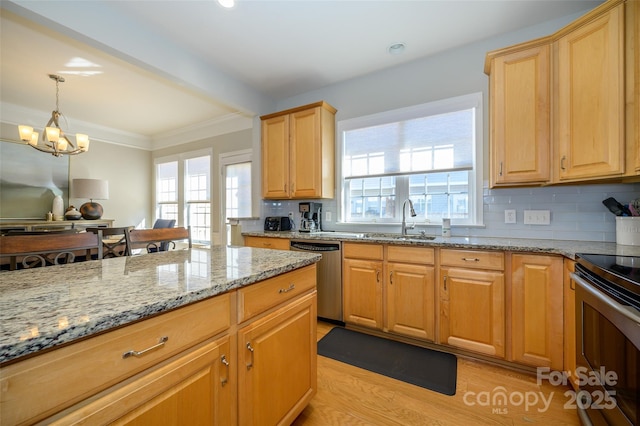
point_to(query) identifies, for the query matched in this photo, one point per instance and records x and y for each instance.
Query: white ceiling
(167, 67)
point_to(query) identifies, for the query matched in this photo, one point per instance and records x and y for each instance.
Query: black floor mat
(423, 367)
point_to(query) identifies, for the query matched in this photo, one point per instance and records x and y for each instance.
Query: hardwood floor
(349, 395)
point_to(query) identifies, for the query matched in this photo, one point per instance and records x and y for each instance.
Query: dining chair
(49, 249)
(163, 223)
(114, 241)
(152, 239)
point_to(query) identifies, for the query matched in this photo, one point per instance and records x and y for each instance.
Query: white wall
(577, 212)
(128, 171)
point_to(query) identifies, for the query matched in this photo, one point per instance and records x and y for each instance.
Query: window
(237, 189)
(167, 190)
(430, 153)
(183, 192)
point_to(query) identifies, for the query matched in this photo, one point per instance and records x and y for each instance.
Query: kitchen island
(115, 338)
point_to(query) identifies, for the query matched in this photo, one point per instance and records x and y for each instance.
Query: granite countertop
(565, 248)
(43, 308)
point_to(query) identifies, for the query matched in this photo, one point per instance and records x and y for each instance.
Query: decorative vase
(58, 208)
(72, 214)
(91, 211)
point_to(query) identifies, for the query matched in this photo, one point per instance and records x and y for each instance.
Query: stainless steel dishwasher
(329, 280)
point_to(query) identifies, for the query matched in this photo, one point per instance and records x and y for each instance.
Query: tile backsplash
(577, 213)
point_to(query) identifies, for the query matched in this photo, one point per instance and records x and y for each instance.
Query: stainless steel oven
(608, 338)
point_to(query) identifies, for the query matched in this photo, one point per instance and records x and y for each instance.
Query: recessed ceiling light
(396, 48)
(227, 3)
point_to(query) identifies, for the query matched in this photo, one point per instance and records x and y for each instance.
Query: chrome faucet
(404, 218)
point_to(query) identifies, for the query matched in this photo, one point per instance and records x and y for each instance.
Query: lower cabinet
(472, 301)
(277, 365)
(390, 288)
(570, 362)
(362, 275)
(266, 242)
(410, 298)
(536, 310)
(193, 389)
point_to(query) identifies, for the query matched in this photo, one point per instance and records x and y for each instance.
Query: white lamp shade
(26, 133)
(82, 141)
(93, 189)
(34, 138)
(53, 134)
(62, 144)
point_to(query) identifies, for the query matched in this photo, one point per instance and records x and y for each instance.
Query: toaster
(277, 223)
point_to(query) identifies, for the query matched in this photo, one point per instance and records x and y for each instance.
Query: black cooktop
(623, 271)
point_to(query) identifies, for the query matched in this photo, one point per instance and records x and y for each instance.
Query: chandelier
(54, 141)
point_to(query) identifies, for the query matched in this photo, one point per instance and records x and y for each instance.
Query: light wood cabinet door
(306, 153)
(520, 108)
(298, 157)
(196, 389)
(472, 310)
(536, 310)
(277, 364)
(589, 130)
(410, 300)
(632, 30)
(275, 157)
(569, 326)
(362, 291)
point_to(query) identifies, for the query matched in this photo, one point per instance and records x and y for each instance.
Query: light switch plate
(327, 216)
(537, 217)
(510, 216)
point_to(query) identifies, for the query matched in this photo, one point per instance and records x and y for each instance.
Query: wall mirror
(29, 179)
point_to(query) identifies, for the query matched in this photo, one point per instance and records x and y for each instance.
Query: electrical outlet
(327, 216)
(537, 217)
(510, 216)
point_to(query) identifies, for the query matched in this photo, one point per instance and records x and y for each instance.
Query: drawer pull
(161, 343)
(250, 350)
(286, 290)
(224, 361)
(445, 283)
(471, 259)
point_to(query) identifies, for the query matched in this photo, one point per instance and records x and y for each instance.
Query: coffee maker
(310, 217)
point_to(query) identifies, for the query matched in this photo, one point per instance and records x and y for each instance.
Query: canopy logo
(500, 399)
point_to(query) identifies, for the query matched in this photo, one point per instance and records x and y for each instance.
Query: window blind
(435, 143)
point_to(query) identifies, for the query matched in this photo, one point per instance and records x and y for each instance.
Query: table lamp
(93, 189)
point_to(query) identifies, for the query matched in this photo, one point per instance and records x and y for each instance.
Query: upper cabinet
(561, 101)
(298, 153)
(520, 104)
(589, 130)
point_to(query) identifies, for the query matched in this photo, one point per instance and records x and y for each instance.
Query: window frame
(181, 159)
(457, 103)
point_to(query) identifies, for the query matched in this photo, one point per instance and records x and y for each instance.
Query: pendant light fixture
(54, 141)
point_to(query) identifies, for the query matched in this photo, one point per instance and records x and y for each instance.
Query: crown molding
(12, 114)
(207, 129)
